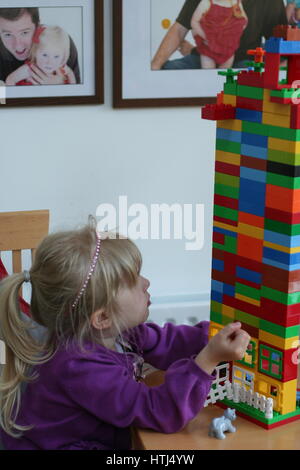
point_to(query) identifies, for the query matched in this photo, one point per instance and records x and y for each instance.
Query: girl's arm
(69, 74)
(290, 10)
(22, 73)
(202, 8)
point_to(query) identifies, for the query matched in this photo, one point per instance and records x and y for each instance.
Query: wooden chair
(22, 231)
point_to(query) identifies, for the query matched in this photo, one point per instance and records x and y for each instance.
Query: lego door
(243, 377)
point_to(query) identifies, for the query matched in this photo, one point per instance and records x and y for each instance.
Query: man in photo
(262, 16)
(18, 28)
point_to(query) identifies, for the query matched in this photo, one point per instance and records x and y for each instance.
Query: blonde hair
(52, 36)
(60, 267)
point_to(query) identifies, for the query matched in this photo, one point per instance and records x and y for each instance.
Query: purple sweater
(89, 400)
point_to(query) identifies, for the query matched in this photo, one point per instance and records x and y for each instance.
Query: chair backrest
(22, 231)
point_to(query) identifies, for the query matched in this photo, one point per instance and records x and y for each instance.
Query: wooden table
(194, 436)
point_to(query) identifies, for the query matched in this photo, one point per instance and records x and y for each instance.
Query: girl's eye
(56, 57)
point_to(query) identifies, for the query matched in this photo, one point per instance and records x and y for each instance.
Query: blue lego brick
(218, 264)
(281, 257)
(217, 286)
(228, 134)
(248, 275)
(253, 175)
(216, 296)
(248, 115)
(280, 46)
(281, 239)
(228, 289)
(250, 208)
(225, 232)
(254, 151)
(255, 140)
(276, 264)
(252, 191)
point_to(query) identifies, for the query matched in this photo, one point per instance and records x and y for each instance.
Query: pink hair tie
(90, 271)
(36, 37)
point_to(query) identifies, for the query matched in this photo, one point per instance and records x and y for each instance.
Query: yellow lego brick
(225, 226)
(251, 231)
(275, 108)
(276, 120)
(264, 384)
(249, 300)
(229, 99)
(289, 146)
(283, 249)
(277, 341)
(214, 328)
(227, 157)
(288, 401)
(232, 124)
(228, 311)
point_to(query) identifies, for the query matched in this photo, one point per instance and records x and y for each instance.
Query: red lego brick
(251, 78)
(216, 112)
(241, 305)
(258, 54)
(286, 315)
(220, 97)
(223, 277)
(276, 99)
(281, 216)
(295, 116)
(218, 254)
(219, 238)
(225, 221)
(287, 32)
(227, 168)
(249, 103)
(244, 262)
(226, 202)
(251, 330)
(248, 283)
(290, 370)
(255, 163)
(271, 74)
(293, 73)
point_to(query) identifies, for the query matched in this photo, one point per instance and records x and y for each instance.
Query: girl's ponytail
(21, 351)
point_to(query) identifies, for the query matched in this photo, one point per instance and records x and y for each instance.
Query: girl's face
(49, 58)
(134, 303)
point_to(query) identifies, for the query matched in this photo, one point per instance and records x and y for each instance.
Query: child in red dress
(217, 27)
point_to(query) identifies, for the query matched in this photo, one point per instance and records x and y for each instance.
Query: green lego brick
(247, 318)
(284, 93)
(247, 291)
(288, 332)
(284, 157)
(230, 88)
(255, 128)
(227, 191)
(271, 131)
(228, 146)
(227, 180)
(281, 297)
(226, 320)
(280, 227)
(216, 306)
(230, 245)
(216, 317)
(250, 92)
(226, 212)
(283, 181)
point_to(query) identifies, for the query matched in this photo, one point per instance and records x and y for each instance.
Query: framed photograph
(51, 52)
(139, 26)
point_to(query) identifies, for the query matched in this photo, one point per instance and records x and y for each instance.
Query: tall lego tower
(256, 227)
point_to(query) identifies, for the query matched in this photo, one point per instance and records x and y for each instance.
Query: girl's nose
(146, 283)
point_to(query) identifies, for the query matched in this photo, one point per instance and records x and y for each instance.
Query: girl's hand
(38, 77)
(230, 344)
(22, 73)
(69, 74)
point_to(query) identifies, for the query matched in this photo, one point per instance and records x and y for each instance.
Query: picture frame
(134, 83)
(83, 23)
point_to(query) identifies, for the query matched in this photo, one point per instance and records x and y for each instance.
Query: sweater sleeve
(163, 346)
(106, 389)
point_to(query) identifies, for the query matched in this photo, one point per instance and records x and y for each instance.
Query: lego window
(249, 358)
(274, 391)
(270, 361)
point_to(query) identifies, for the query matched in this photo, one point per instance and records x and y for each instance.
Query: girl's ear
(100, 320)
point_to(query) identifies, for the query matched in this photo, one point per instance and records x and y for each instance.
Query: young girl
(83, 388)
(293, 12)
(217, 26)
(50, 52)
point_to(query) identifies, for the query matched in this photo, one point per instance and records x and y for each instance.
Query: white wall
(71, 159)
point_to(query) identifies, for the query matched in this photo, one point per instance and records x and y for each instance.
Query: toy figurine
(220, 425)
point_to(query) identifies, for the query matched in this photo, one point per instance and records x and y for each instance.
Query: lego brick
(242, 306)
(218, 238)
(227, 180)
(283, 181)
(225, 190)
(217, 296)
(283, 169)
(284, 249)
(275, 108)
(229, 245)
(229, 99)
(249, 300)
(284, 93)
(229, 134)
(219, 254)
(216, 317)
(227, 157)
(249, 275)
(225, 212)
(225, 226)
(253, 174)
(251, 330)
(293, 71)
(286, 315)
(247, 291)
(295, 116)
(228, 312)
(218, 265)
(281, 297)
(251, 231)
(276, 119)
(280, 156)
(217, 286)
(215, 112)
(283, 240)
(216, 306)
(243, 262)
(248, 115)
(273, 328)
(287, 32)
(226, 202)
(251, 78)
(280, 46)
(224, 232)
(249, 103)
(254, 140)
(234, 124)
(282, 198)
(247, 283)
(286, 146)
(251, 219)
(227, 146)
(223, 277)
(255, 128)
(230, 88)
(280, 227)
(271, 75)
(250, 92)
(220, 98)
(277, 264)
(254, 163)
(250, 247)
(227, 168)
(254, 151)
